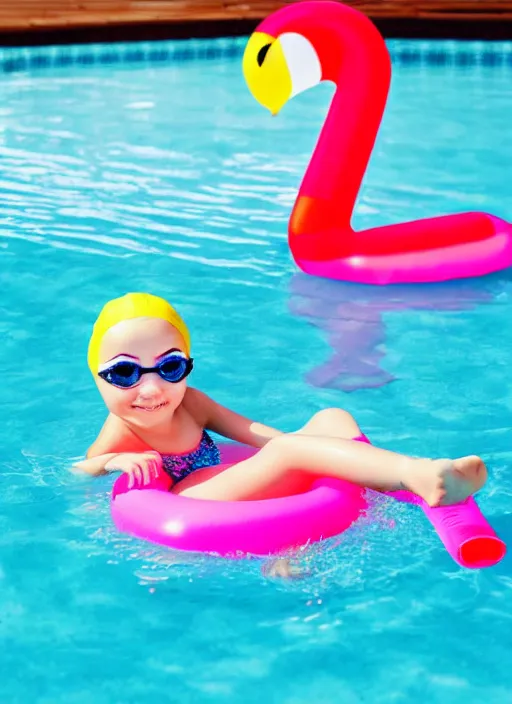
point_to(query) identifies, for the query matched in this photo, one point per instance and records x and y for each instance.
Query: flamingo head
(310, 41)
(280, 61)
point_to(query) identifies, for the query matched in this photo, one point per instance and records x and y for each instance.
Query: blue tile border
(28, 59)
(451, 53)
(404, 52)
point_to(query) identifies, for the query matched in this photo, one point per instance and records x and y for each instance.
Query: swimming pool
(154, 174)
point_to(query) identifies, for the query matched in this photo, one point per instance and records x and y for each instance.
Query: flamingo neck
(356, 59)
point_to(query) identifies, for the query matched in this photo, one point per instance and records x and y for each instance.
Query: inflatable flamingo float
(294, 49)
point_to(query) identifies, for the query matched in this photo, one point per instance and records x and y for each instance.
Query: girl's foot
(445, 482)
(283, 569)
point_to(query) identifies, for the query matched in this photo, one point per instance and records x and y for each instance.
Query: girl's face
(145, 341)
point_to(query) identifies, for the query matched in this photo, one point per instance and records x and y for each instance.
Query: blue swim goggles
(125, 374)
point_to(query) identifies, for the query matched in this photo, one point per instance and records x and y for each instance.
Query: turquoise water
(172, 180)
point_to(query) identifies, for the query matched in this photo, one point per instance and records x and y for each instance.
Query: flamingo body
(318, 40)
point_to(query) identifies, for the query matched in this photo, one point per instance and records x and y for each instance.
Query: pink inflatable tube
(464, 531)
(236, 527)
(268, 527)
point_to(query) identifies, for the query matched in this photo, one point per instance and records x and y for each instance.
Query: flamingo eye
(262, 54)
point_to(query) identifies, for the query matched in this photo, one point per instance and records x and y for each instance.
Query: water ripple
(170, 179)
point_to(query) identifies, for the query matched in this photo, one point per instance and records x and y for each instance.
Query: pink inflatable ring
(238, 528)
(235, 527)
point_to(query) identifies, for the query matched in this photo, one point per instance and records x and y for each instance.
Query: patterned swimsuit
(206, 454)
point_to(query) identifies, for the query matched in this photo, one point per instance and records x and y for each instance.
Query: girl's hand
(141, 467)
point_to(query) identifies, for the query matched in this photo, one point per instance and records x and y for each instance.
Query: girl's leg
(333, 423)
(330, 422)
(289, 463)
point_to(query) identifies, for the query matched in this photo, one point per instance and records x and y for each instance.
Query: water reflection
(352, 317)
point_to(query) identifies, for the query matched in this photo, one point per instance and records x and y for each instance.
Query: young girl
(139, 354)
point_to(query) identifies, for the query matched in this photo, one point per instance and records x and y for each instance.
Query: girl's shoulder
(196, 404)
(115, 436)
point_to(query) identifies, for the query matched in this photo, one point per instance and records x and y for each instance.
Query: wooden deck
(48, 21)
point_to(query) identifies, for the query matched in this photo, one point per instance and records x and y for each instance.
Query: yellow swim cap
(132, 305)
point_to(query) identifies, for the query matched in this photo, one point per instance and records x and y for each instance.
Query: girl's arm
(227, 423)
(95, 466)
(114, 439)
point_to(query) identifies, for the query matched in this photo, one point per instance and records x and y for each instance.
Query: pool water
(171, 179)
